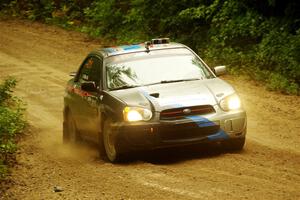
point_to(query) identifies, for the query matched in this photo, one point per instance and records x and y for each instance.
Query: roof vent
(160, 41)
(156, 41)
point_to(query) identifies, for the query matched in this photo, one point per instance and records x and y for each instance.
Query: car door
(88, 102)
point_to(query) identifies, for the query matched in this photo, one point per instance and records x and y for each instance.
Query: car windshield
(145, 69)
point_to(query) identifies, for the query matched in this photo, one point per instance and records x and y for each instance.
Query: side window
(95, 72)
(85, 70)
(91, 70)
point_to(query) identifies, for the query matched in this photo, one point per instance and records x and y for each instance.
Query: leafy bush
(105, 15)
(259, 38)
(11, 122)
(281, 83)
(263, 43)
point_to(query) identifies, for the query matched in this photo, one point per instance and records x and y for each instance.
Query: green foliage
(251, 41)
(281, 83)
(258, 38)
(105, 15)
(279, 52)
(6, 90)
(11, 121)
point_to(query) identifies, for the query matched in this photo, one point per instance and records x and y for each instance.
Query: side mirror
(220, 70)
(89, 86)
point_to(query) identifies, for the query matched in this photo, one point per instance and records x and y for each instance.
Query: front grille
(178, 113)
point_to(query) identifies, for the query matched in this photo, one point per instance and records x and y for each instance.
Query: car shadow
(177, 155)
(168, 155)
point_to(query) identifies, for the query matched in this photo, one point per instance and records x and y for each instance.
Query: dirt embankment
(41, 57)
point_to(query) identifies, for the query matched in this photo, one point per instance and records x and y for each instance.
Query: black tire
(235, 144)
(101, 148)
(70, 133)
(109, 143)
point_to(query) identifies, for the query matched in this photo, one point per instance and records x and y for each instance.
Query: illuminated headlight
(231, 102)
(133, 114)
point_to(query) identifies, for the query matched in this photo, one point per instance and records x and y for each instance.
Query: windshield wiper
(125, 87)
(160, 82)
(172, 81)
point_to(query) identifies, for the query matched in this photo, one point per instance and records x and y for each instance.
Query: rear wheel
(70, 133)
(109, 142)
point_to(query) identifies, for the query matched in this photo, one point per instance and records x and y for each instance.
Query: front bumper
(189, 130)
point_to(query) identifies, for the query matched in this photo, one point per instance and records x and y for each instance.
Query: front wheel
(109, 142)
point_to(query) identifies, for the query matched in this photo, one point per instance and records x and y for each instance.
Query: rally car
(152, 95)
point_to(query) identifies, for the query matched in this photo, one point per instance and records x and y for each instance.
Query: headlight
(231, 102)
(133, 114)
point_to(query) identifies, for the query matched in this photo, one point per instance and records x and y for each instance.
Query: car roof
(125, 49)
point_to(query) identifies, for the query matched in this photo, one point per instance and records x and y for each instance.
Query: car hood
(175, 95)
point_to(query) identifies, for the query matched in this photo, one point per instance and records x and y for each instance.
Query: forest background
(256, 38)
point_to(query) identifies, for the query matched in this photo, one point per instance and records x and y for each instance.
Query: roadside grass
(12, 123)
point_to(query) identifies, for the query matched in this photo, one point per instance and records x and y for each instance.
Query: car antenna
(147, 44)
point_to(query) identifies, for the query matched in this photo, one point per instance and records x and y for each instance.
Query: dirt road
(41, 57)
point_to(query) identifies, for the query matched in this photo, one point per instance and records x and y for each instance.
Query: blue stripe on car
(219, 135)
(200, 121)
(130, 47)
(204, 122)
(110, 50)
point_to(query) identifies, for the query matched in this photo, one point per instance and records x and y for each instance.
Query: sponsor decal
(89, 63)
(78, 91)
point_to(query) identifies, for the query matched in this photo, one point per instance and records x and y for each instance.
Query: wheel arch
(105, 114)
